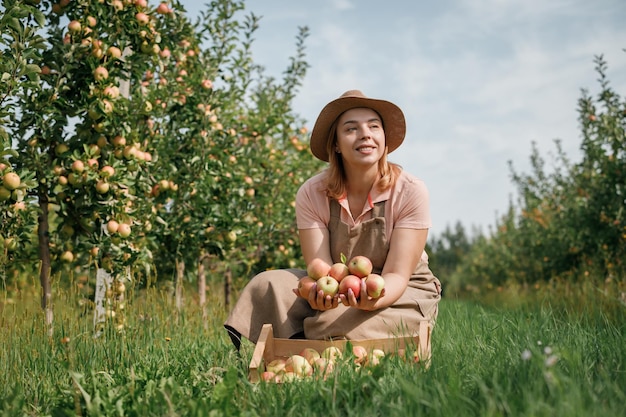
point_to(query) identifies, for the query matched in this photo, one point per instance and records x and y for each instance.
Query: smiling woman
(360, 207)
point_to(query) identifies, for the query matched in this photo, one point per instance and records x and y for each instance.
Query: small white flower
(551, 360)
(547, 350)
(526, 354)
(539, 343)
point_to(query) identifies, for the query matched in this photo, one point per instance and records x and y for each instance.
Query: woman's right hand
(318, 301)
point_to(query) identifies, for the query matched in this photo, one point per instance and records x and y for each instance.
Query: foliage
(569, 224)
(145, 140)
(530, 361)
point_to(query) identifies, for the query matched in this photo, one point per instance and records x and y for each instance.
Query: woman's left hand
(364, 302)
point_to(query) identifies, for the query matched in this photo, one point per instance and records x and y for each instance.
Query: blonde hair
(336, 174)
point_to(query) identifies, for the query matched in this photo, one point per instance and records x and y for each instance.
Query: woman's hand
(319, 301)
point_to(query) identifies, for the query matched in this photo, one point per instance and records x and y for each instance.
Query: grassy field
(486, 362)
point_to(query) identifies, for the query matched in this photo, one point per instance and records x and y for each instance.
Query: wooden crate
(269, 347)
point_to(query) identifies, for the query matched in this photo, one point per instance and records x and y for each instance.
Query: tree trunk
(44, 256)
(228, 280)
(202, 287)
(180, 273)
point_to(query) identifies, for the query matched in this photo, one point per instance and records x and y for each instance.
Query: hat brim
(392, 117)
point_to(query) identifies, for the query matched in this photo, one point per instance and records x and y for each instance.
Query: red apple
(78, 166)
(374, 284)
(360, 354)
(142, 18)
(310, 354)
(360, 266)
(351, 282)
(304, 286)
(268, 376)
(114, 52)
(74, 26)
(163, 8)
(107, 171)
(323, 366)
(317, 268)
(100, 73)
(328, 285)
(339, 271)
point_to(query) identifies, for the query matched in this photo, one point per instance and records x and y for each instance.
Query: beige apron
(268, 297)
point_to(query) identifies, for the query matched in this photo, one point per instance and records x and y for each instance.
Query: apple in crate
(360, 354)
(376, 356)
(276, 366)
(331, 353)
(298, 365)
(374, 284)
(310, 354)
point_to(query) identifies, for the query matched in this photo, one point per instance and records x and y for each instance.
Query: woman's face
(360, 137)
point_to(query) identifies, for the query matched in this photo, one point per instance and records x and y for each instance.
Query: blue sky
(478, 80)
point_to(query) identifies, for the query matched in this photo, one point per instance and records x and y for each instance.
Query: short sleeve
(412, 205)
(312, 207)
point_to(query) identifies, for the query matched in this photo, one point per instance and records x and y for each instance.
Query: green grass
(486, 362)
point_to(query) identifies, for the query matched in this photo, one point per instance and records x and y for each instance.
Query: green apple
(360, 265)
(374, 285)
(328, 285)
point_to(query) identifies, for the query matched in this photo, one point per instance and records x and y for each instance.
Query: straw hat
(391, 115)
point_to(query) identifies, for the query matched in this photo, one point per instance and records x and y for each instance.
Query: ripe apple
(298, 365)
(112, 226)
(376, 356)
(328, 285)
(277, 366)
(339, 271)
(351, 282)
(163, 8)
(100, 73)
(74, 26)
(124, 230)
(114, 52)
(310, 354)
(67, 256)
(107, 171)
(11, 181)
(317, 268)
(374, 284)
(78, 166)
(323, 366)
(360, 354)
(331, 353)
(268, 376)
(142, 18)
(102, 187)
(360, 266)
(304, 286)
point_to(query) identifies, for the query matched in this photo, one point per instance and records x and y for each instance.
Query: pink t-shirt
(407, 206)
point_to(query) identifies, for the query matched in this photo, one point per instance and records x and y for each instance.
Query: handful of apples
(341, 277)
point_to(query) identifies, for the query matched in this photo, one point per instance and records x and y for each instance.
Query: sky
(479, 81)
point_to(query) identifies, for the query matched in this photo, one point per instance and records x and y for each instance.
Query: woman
(360, 205)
